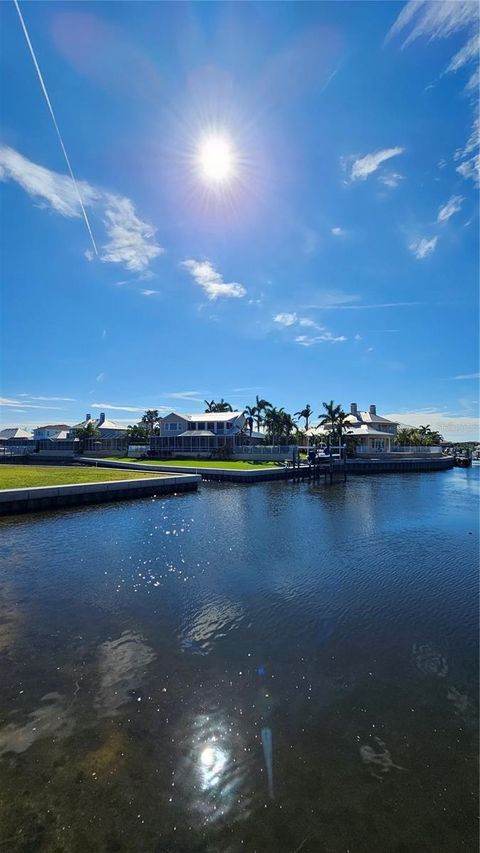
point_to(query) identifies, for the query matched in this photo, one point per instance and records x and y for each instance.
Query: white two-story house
(198, 433)
(373, 433)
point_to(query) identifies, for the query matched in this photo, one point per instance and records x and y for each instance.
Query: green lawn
(28, 476)
(197, 463)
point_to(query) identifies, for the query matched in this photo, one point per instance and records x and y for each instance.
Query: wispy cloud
(104, 407)
(367, 165)
(286, 320)
(391, 179)
(206, 276)
(325, 337)
(338, 232)
(149, 292)
(441, 20)
(422, 248)
(100, 377)
(130, 241)
(7, 401)
(368, 306)
(453, 205)
(193, 396)
(292, 320)
(468, 376)
(55, 399)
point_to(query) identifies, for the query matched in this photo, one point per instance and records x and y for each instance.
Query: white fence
(417, 451)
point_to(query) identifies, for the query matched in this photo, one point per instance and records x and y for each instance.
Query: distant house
(373, 433)
(14, 434)
(198, 433)
(106, 428)
(56, 431)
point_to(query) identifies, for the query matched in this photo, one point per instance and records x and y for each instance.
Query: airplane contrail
(44, 90)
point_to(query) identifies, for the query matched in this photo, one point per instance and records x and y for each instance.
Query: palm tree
(340, 424)
(222, 406)
(250, 413)
(306, 414)
(261, 406)
(272, 420)
(210, 404)
(424, 430)
(332, 413)
(151, 419)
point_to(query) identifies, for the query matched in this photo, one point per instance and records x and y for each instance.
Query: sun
(216, 160)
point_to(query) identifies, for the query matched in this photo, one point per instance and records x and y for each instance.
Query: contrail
(44, 90)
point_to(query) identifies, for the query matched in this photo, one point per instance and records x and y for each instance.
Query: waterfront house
(14, 434)
(372, 433)
(56, 431)
(106, 428)
(198, 433)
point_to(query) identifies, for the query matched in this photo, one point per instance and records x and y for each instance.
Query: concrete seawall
(13, 501)
(231, 475)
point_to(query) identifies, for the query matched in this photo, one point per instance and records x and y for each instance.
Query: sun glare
(216, 160)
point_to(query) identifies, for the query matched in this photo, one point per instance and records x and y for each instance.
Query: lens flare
(216, 159)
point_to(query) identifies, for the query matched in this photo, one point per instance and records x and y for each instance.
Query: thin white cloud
(7, 401)
(100, 377)
(441, 20)
(130, 241)
(338, 232)
(391, 179)
(365, 166)
(437, 20)
(288, 321)
(55, 399)
(468, 376)
(285, 319)
(367, 307)
(453, 205)
(206, 276)
(422, 248)
(104, 407)
(149, 292)
(193, 396)
(468, 53)
(325, 337)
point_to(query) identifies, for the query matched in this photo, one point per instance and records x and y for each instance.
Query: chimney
(101, 419)
(353, 408)
(88, 417)
(373, 410)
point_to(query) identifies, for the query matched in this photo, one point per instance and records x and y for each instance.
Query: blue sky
(339, 259)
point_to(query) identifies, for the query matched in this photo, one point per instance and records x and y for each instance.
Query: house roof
(207, 417)
(106, 424)
(202, 433)
(14, 432)
(55, 426)
(368, 418)
(367, 429)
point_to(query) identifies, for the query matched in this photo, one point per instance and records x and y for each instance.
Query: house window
(229, 425)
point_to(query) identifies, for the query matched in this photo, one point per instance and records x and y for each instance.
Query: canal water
(271, 669)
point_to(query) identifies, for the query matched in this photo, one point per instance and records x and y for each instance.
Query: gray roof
(208, 417)
(203, 433)
(14, 432)
(368, 418)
